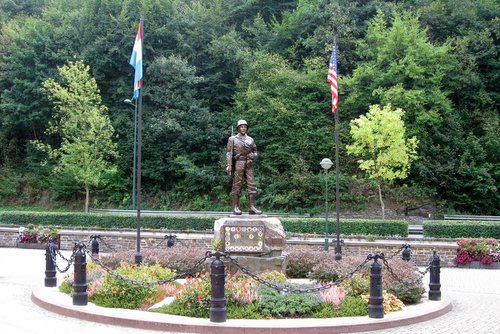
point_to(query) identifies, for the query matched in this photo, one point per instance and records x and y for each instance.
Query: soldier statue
(241, 152)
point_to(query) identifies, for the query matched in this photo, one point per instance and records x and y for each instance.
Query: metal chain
(395, 253)
(423, 273)
(389, 269)
(159, 282)
(107, 245)
(291, 290)
(53, 254)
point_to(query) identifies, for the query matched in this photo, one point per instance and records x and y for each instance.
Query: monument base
(254, 241)
(257, 264)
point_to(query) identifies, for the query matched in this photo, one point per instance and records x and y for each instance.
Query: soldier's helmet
(241, 122)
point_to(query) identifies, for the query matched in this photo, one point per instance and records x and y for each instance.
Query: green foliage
(211, 62)
(461, 229)
(379, 141)
(357, 285)
(272, 303)
(380, 144)
(78, 219)
(83, 126)
(118, 293)
(329, 270)
(173, 258)
(302, 261)
(353, 307)
(197, 223)
(347, 226)
(404, 282)
(349, 307)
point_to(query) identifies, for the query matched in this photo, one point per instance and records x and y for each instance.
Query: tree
(83, 126)
(379, 141)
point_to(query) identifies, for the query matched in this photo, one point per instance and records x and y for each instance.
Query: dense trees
(209, 63)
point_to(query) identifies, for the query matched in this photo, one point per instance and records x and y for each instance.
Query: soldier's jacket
(240, 148)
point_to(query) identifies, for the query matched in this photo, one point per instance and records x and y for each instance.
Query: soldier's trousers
(243, 168)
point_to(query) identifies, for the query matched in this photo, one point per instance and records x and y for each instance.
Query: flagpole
(138, 255)
(338, 249)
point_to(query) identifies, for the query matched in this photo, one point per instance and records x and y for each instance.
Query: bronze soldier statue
(241, 152)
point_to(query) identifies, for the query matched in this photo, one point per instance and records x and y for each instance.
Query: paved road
(475, 295)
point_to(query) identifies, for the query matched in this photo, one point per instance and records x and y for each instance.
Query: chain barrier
(389, 269)
(106, 244)
(423, 273)
(159, 282)
(281, 289)
(395, 253)
(53, 254)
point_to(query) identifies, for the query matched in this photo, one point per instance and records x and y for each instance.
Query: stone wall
(113, 241)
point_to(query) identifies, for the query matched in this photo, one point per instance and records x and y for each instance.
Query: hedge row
(198, 223)
(462, 229)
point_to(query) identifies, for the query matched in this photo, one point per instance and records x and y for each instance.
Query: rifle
(229, 155)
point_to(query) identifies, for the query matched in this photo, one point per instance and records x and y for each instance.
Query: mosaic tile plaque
(244, 238)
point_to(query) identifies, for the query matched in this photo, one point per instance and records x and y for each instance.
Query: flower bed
(484, 251)
(33, 236)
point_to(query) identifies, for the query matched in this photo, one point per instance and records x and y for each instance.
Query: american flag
(332, 78)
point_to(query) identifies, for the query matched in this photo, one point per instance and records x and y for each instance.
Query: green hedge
(347, 226)
(198, 223)
(461, 229)
(107, 221)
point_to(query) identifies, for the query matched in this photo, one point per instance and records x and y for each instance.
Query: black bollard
(217, 279)
(406, 254)
(95, 244)
(80, 296)
(170, 240)
(435, 277)
(50, 267)
(376, 299)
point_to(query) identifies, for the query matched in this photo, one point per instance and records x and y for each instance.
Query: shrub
(329, 269)
(271, 276)
(357, 285)
(196, 223)
(302, 261)
(239, 290)
(484, 250)
(274, 304)
(118, 293)
(194, 296)
(391, 303)
(174, 258)
(349, 307)
(247, 311)
(406, 283)
(349, 226)
(461, 229)
(333, 296)
(353, 307)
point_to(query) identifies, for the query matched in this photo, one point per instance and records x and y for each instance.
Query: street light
(326, 164)
(134, 173)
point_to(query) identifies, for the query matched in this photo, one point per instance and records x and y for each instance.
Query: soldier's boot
(236, 205)
(253, 210)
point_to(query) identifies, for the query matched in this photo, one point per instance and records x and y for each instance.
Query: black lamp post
(326, 164)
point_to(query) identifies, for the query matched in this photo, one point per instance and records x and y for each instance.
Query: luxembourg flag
(136, 61)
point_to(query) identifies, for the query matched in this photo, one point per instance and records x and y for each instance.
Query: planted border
(197, 223)
(462, 229)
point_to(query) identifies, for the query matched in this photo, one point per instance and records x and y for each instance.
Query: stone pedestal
(255, 241)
